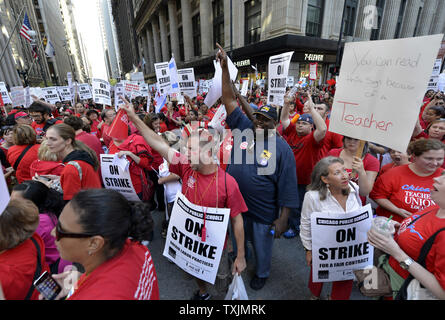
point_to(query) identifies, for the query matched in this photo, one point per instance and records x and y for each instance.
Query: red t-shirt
(306, 152)
(94, 131)
(71, 183)
(91, 141)
(17, 268)
(201, 189)
(23, 173)
(387, 167)
(405, 190)
(104, 134)
(412, 238)
(38, 128)
(130, 275)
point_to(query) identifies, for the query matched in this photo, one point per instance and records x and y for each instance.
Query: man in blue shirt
(264, 167)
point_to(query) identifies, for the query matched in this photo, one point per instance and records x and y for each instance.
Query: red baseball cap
(21, 115)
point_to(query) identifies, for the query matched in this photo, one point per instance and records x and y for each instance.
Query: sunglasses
(62, 234)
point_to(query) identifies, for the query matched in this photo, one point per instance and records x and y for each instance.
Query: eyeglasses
(61, 234)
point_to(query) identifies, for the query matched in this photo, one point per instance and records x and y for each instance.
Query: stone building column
(174, 34)
(187, 29)
(156, 42)
(150, 48)
(409, 21)
(205, 11)
(429, 8)
(164, 37)
(362, 31)
(438, 25)
(390, 16)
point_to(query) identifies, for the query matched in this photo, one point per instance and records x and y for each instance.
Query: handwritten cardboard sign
(381, 87)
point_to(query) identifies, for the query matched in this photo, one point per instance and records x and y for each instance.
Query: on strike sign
(184, 245)
(116, 178)
(340, 244)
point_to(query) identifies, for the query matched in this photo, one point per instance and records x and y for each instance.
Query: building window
(350, 16)
(375, 34)
(252, 10)
(400, 19)
(181, 43)
(196, 26)
(218, 22)
(314, 18)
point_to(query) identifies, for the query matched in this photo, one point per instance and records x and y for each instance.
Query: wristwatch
(406, 263)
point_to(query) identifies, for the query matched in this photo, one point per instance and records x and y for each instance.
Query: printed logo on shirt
(243, 146)
(191, 182)
(411, 227)
(418, 198)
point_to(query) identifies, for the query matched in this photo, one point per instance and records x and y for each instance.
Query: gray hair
(321, 169)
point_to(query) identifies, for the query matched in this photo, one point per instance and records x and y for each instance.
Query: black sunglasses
(61, 234)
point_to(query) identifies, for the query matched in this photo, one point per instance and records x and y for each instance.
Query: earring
(327, 185)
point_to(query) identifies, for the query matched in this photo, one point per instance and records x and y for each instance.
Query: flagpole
(12, 32)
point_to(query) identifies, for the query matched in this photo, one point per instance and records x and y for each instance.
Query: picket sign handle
(361, 146)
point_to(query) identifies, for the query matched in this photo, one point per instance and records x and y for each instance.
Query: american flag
(26, 27)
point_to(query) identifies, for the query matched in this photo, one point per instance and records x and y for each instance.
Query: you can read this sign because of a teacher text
(381, 88)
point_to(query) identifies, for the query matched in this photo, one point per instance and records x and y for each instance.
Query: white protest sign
(131, 89)
(433, 83)
(437, 67)
(85, 91)
(244, 88)
(290, 81)
(51, 95)
(4, 192)
(186, 78)
(184, 245)
(313, 71)
(64, 93)
(215, 91)
(101, 91)
(381, 88)
(278, 71)
(174, 81)
(119, 90)
(219, 119)
(115, 178)
(18, 96)
(137, 76)
(28, 98)
(144, 91)
(163, 77)
(340, 244)
(4, 93)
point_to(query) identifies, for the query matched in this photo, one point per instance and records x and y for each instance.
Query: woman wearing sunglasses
(100, 230)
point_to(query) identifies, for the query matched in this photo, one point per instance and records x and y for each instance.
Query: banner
(101, 92)
(51, 95)
(186, 78)
(163, 77)
(278, 71)
(85, 92)
(184, 245)
(381, 88)
(4, 93)
(340, 244)
(117, 177)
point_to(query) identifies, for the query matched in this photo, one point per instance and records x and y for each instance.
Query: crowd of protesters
(62, 220)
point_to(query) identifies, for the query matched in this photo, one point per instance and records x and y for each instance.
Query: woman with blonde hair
(47, 162)
(81, 163)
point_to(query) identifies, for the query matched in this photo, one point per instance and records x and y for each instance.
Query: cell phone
(47, 286)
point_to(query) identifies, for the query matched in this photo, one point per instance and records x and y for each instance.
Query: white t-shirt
(170, 188)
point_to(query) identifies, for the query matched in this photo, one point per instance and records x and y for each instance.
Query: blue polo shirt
(265, 171)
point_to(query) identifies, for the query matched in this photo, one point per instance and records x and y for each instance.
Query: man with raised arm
(263, 165)
(203, 182)
(305, 139)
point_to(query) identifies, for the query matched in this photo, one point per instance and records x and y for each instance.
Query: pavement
(288, 279)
